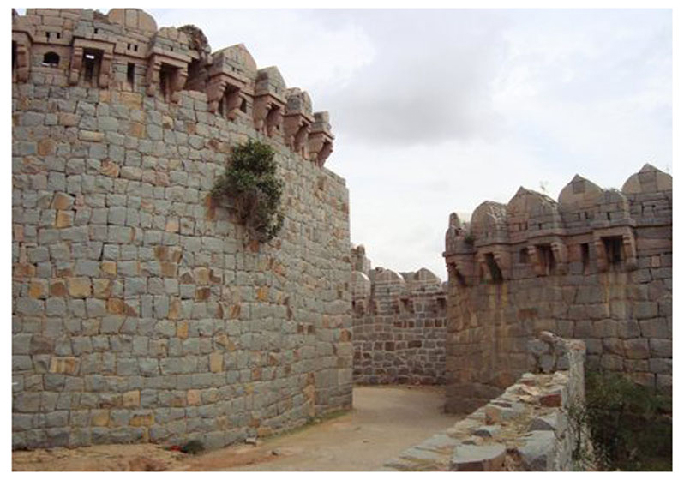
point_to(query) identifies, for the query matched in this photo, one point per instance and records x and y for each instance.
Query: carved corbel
(536, 260)
(482, 267)
(297, 133)
(503, 262)
(320, 139)
(630, 251)
(153, 77)
(222, 89)
(560, 253)
(22, 56)
(267, 115)
(75, 66)
(105, 69)
(178, 83)
(602, 260)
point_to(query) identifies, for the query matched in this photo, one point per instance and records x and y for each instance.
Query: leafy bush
(629, 425)
(251, 186)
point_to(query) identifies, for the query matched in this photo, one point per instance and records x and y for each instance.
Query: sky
(436, 111)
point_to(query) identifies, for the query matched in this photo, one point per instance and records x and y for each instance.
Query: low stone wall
(525, 428)
(398, 327)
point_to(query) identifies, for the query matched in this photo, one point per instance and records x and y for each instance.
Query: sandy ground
(384, 421)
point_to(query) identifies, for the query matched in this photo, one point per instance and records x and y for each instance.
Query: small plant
(469, 239)
(251, 186)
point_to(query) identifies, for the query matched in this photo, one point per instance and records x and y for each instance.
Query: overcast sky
(436, 111)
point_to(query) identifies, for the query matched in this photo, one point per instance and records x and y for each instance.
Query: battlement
(125, 51)
(398, 324)
(588, 228)
(595, 265)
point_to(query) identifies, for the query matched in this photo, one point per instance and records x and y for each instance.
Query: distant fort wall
(398, 325)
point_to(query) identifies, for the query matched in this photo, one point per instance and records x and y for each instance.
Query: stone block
(64, 365)
(537, 453)
(473, 458)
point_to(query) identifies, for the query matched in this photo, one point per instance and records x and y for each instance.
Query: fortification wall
(596, 266)
(398, 325)
(141, 311)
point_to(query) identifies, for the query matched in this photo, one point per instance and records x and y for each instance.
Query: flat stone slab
(483, 458)
(416, 453)
(439, 443)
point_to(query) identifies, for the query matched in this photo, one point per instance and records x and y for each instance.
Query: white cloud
(437, 111)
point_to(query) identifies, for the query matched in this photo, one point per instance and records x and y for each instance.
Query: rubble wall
(141, 310)
(596, 266)
(398, 325)
(526, 428)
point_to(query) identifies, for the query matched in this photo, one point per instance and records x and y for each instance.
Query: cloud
(436, 111)
(309, 54)
(428, 82)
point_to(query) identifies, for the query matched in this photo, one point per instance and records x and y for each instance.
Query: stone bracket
(224, 85)
(268, 115)
(297, 128)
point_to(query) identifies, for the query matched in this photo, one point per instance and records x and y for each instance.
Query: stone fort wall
(398, 325)
(140, 310)
(596, 265)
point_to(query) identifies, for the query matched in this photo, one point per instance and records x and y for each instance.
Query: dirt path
(384, 421)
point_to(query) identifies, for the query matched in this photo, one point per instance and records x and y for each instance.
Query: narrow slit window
(495, 272)
(585, 256)
(89, 61)
(523, 255)
(613, 246)
(131, 75)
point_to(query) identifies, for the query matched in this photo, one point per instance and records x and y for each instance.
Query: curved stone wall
(140, 310)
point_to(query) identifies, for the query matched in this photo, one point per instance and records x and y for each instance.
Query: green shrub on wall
(629, 426)
(251, 186)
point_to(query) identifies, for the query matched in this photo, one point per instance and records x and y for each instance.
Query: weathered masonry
(527, 427)
(398, 325)
(140, 310)
(596, 266)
